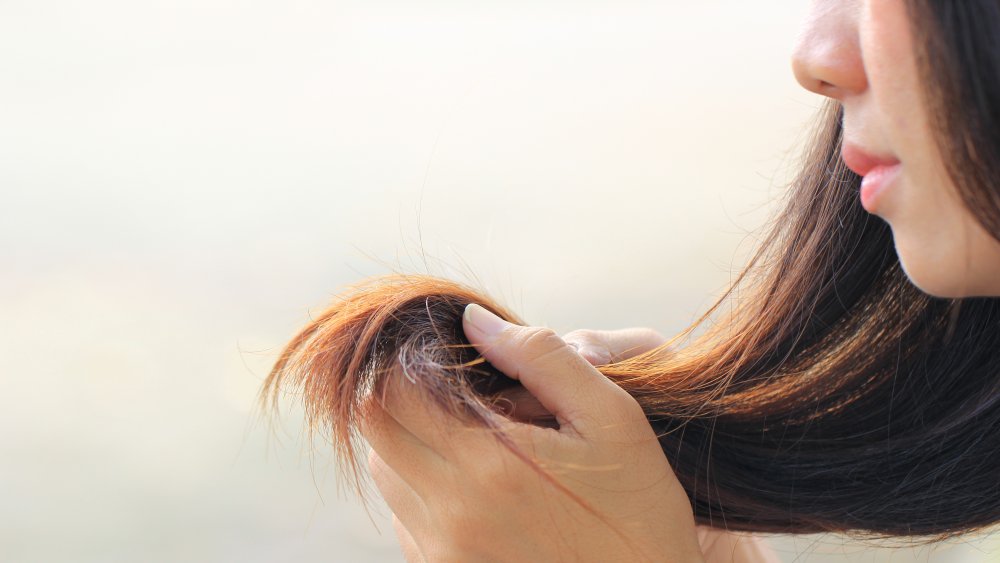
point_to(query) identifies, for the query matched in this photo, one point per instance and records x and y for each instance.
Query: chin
(948, 270)
(938, 288)
(946, 279)
(938, 278)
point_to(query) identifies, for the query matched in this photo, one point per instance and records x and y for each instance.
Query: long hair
(833, 396)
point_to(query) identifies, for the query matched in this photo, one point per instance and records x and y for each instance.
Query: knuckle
(654, 337)
(539, 342)
(541, 336)
(633, 421)
(627, 407)
(581, 336)
(650, 333)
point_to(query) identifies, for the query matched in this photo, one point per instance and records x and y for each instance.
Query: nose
(827, 58)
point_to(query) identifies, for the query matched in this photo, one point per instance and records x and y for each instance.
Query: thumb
(551, 370)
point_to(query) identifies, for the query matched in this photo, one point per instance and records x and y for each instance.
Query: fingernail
(484, 321)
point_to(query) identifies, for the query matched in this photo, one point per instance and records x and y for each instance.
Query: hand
(598, 347)
(458, 494)
(601, 347)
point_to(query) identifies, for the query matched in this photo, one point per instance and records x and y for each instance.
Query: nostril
(828, 89)
(830, 67)
(819, 81)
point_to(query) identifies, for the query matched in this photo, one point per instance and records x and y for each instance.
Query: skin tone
(596, 347)
(861, 53)
(459, 495)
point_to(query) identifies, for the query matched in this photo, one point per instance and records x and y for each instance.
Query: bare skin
(861, 54)
(596, 347)
(458, 495)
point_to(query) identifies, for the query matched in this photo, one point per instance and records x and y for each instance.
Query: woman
(915, 111)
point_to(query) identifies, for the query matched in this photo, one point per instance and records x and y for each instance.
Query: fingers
(411, 553)
(393, 444)
(601, 347)
(405, 503)
(418, 412)
(524, 407)
(428, 437)
(564, 382)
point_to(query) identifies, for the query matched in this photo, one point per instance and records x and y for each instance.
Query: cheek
(891, 68)
(943, 249)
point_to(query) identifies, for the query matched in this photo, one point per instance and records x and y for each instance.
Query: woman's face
(861, 53)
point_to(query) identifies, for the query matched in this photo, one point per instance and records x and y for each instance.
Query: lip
(878, 172)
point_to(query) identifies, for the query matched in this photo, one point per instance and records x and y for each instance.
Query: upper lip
(862, 162)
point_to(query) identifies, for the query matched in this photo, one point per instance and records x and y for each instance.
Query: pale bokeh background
(184, 181)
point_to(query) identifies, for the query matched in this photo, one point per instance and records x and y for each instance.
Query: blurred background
(184, 182)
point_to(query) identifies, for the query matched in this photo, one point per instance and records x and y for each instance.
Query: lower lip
(875, 184)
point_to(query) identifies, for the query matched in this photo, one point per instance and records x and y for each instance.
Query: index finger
(564, 383)
(423, 415)
(452, 437)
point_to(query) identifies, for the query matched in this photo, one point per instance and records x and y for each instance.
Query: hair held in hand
(823, 391)
(769, 429)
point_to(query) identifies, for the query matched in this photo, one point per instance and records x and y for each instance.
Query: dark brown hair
(835, 396)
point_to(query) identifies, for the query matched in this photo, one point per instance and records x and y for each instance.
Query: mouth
(862, 162)
(877, 172)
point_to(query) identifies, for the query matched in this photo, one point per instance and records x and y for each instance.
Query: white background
(183, 182)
